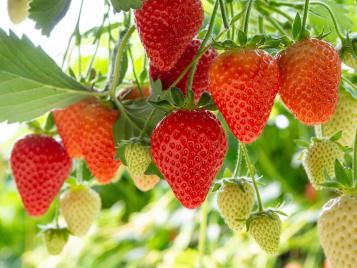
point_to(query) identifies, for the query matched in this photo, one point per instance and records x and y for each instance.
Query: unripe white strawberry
(18, 10)
(337, 228)
(80, 206)
(146, 182)
(265, 228)
(321, 156)
(138, 159)
(55, 239)
(235, 201)
(344, 119)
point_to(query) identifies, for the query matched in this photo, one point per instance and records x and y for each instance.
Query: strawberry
(320, 156)
(40, 165)
(200, 81)
(345, 120)
(188, 147)
(243, 84)
(80, 206)
(55, 239)
(166, 27)
(337, 230)
(138, 159)
(266, 229)
(18, 10)
(67, 122)
(310, 73)
(146, 182)
(97, 141)
(235, 201)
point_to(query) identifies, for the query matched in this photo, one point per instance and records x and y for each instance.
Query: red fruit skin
(166, 27)
(40, 166)
(310, 73)
(97, 141)
(244, 84)
(189, 147)
(67, 122)
(200, 81)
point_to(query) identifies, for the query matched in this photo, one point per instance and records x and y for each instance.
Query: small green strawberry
(235, 200)
(319, 158)
(138, 159)
(146, 182)
(344, 119)
(55, 239)
(80, 206)
(265, 227)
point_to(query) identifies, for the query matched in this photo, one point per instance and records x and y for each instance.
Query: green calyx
(174, 99)
(240, 182)
(269, 214)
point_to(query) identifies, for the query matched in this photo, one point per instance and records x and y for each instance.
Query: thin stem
(276, 25)
(304, 18)
(247, 15)
(79, 170)
(203, 44)
(134, 73)
(319, 133)
(231, 9)
(333, 17)
(196, 58)
(224, 15)
(252, 175)
(276, 10)
(57, 208)
(203, 231)
(118, 61)
(239, 161)
(125, 114)
(261, 24)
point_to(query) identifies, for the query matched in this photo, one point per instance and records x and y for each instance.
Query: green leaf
(126, 5)
(47, 14)
(302, 143)
(336, 136)
(31, 83)
(296, 27)
(162, 105)
(204, 99)
(177, 96)
(341, 175)
(153, 170)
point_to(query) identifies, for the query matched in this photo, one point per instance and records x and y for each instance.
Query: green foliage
(47, 14)
(126, 5)
(31, 82)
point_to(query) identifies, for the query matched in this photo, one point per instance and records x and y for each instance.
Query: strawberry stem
(238, 161)
(202, 237)
(252, 175)
(134, 73)
(147, 122)
(79, 171)
(304, 18)
(190, 94)
(223, 13)
(247, 15)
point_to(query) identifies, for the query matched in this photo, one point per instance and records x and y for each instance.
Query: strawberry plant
(167, 131)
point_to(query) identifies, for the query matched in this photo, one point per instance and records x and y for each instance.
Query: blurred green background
(152, 229)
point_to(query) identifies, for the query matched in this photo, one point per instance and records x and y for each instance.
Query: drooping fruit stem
(238, 161)
(79, 171)
(223, 13)
(190, 94)
(203, 231)
(134, 73)
(252, 175)
(304, 18)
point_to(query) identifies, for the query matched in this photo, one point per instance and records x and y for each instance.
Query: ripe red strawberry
(166, 27)
(40, 165)
(67, 123)
(244, 83)
(97, 141)
(200, 81)
(310, 73)
(188, 147)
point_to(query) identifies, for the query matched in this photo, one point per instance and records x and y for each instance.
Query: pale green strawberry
(320, 157)
(344, 119)
(337, 228)
(235, 200)
(265, 227)
(146, 182)
(55, 239)
(80, 206)
(138, 159)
